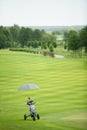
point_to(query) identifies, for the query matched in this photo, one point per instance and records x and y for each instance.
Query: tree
(37, 35)
(73, 41)
(43, 45)
(35, 44)
(54, 44)
(2, 38)
(65, 35)
(51, 48)
(25, 36)
(15, 32)
(5, 37)
(83, 38)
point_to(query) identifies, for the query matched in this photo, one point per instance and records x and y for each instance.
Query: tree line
(76, 40)
(25, 37)
(15, 36)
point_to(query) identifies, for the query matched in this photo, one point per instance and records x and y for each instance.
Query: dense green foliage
(16, 36)
(60, 99)
(25, 37)
(73, 41)
(5, 38)
(76, 40)
(83, 38)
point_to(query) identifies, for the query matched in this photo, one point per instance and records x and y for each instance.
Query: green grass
(62, 91)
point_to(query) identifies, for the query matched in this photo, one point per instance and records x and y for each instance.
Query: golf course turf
(60, 97)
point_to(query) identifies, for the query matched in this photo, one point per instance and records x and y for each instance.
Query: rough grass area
(79, 119)
(62, 91)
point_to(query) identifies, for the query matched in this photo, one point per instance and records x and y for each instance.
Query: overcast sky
(43, 12)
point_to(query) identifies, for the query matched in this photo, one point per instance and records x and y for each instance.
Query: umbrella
(28, 86)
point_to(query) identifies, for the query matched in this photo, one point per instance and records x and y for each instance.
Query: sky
(43, 12)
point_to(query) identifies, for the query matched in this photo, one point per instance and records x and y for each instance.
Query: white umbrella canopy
(28, 86)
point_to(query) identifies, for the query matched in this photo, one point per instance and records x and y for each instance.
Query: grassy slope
(62, 91)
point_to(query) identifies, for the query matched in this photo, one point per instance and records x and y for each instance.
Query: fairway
(60, 98)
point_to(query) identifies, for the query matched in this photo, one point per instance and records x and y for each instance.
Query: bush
(30, 50)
